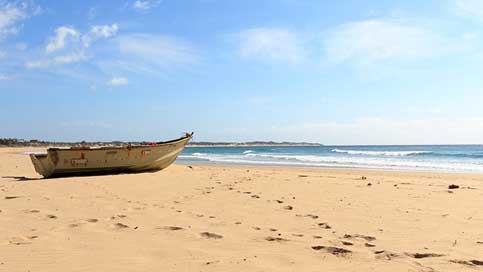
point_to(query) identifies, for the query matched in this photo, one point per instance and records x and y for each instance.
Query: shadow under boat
(20, 178)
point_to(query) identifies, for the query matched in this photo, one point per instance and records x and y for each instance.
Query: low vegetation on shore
(13, 142)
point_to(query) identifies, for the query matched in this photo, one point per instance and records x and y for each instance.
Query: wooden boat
(107, 159)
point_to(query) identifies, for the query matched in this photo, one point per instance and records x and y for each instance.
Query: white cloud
(118, 81)
(155, 50)
(270, 44)
(71, 58)
(11, 13)
(373, 40)
(146, 4)
(98, 32)
(72, 45)
(62, 34)
(470, 8)
(58, 60)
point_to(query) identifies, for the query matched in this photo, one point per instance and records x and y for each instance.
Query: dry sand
(226, 218)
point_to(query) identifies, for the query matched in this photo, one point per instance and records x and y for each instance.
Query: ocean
(446, 158)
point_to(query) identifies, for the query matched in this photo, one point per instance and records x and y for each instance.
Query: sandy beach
(239, 218)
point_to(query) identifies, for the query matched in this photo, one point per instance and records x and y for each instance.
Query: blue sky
(335, 72)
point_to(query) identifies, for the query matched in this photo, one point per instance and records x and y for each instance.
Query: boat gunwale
(157, 144)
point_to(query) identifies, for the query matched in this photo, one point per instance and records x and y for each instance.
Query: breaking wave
(381, 153)
(390, 162)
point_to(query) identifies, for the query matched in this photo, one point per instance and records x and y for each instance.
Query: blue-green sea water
(452, 158)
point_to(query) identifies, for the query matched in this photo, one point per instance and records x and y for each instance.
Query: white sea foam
(248, 151)
(380, 153)
(336, 161)
(199, 154)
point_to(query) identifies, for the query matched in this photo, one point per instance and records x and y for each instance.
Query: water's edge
(451, 158)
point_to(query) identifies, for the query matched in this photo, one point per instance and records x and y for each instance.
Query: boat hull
(99, 160)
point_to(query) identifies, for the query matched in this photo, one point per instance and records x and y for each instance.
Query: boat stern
(43, 164)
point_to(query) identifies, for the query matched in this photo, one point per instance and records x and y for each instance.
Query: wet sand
(239, 218)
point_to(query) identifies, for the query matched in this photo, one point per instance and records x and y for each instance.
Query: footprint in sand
(172, 228)
(118, 216)
(31, 211)
(11, 197)
(18, 241)
(120, 226)
(51, 216)
(337, 251)
(423, 255)
(365, 237)
(382, 254)
(92, 220)
(325, 226)
(276, 239)
(211, 235)
(470, 262)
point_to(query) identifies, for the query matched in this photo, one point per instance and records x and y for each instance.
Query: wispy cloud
(145, 4)
(118, 81)
(62, 34)
(270, 44)
(156, 50)
(71, 45)
(58, 60)
(99, 32)
(469, 8)
(373, 40)
(12, 13)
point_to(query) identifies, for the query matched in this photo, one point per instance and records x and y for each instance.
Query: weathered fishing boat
(107, 159)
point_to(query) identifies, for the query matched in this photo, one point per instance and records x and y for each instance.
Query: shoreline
(322, 168)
